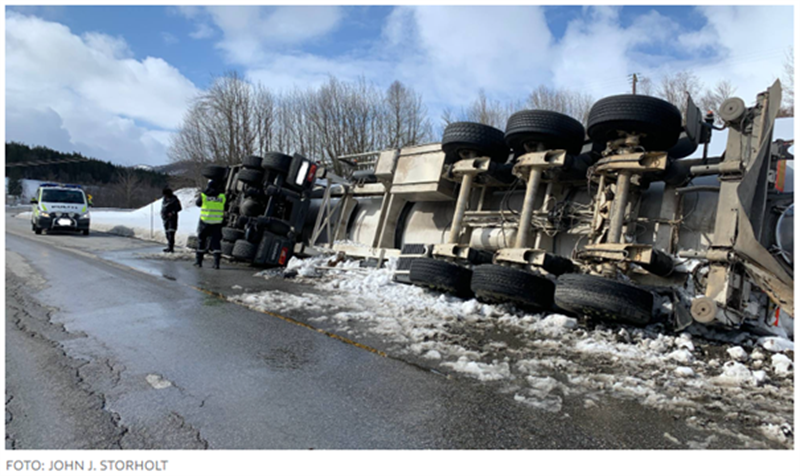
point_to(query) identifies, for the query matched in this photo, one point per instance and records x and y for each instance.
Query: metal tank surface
(615, 222)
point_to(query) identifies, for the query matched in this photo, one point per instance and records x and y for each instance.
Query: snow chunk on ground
(734, 374)
(684, 372)
(681, 355)
(776, 344)
(737, 353)
(434, 355)
(479, 370)
(555, 325)
(781, 364)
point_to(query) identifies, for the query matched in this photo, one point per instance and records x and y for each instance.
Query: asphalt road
(105, 349)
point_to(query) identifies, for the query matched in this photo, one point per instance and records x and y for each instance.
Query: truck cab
(59, 207)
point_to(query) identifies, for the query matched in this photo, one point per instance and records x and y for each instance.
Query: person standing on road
(209, 231)
(170, 206)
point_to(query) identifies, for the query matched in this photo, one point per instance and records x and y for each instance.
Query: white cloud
(202, 31)
(109, 104)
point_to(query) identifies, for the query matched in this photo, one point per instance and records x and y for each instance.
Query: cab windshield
(62, 196)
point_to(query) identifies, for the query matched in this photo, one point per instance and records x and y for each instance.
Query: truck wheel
(243, 250)
(484, 139)
(277, 162)
(252, 162)
(659, 120)
(604, 298)
(227, 247)
(251, 208)
(232, 234)
(553, 129)
(214, 172)
(251, 176)
(495, 283)
(441, 275)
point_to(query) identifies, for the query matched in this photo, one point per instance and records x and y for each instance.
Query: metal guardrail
(35, 163)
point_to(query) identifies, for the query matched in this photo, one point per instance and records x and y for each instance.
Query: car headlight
(84, 215)
(45, 214)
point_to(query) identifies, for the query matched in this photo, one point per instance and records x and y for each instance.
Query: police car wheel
(85, 232)
(37, 230)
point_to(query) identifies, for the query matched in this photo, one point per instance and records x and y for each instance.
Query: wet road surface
(102, 355)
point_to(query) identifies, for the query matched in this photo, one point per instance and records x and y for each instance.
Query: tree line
(110, 185)
(235, 117)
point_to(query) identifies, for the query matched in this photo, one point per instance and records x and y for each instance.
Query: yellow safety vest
(213, 209)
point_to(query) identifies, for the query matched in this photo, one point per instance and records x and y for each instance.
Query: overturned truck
(614, 221)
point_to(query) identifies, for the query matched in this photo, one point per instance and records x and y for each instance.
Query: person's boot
(217, 257)
(198, 260)
(171, 242)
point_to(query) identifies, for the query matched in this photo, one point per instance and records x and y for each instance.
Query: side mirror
(33, 200)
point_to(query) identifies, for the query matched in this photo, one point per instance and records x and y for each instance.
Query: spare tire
(604, 298)
(244, 250)
(499, 284)
(252, 162)
(214, 172)
(251, 176)
(486, 140)
(441, 276)
(553, 129)
(232, 234)
(659, 121)
(251, 208)
(277, 162)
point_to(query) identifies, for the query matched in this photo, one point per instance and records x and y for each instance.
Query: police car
(60, 207)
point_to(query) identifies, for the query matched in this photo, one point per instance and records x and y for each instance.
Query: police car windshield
(62, 196)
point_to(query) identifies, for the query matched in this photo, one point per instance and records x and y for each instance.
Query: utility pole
(634, 79)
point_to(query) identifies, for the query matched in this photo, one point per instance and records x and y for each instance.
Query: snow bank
(145, 223)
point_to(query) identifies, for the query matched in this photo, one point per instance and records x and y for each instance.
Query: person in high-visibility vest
(209, 231)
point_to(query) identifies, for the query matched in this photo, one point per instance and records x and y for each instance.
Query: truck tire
(277, 162)
(251, 176)
(658, 119)
(214, 172)
(441, 275)
(244, 250)
(226, 247)
(232, 234)
(499, 284)
(486, 140)
(252, 162)
(251, 208)
(604, 298)
(553, 129)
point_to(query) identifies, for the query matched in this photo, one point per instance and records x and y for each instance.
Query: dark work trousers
(170, 227)
(209, 237)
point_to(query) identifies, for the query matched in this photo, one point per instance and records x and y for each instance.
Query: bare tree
(567, 102)
(788, 84)
(713, 98)
(126, 185)
(406, 118)
(487, 111)
(674, 88)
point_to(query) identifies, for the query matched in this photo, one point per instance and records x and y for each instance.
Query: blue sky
(113, 82)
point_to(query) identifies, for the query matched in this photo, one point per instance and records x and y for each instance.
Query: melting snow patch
(158, 382)
(737, 353)
(781, 364)
(684, 372)
(481, 371)
(555, 325)
(681, 355)
(734, 374)
(776, 344)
